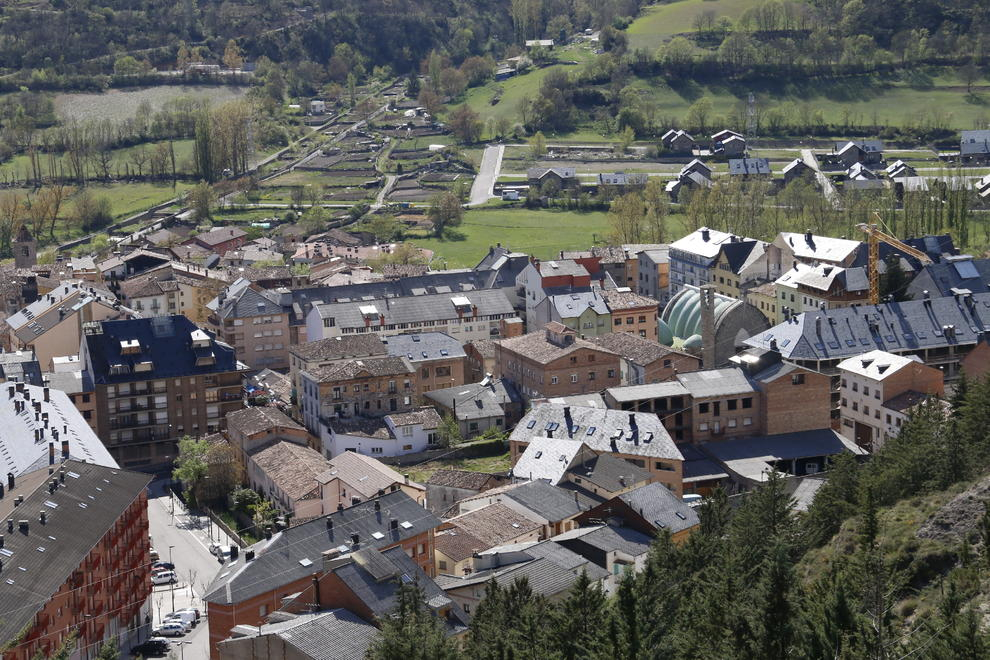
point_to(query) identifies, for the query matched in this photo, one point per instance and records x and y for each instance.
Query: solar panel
(834, 345)
(966, 269)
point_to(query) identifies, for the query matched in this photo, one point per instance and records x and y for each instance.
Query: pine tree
(828, 619)
(765, 517)
(412, 632)
(577, 622)
(869, 525)
(625, 612)
(834, 502)
(772, 612)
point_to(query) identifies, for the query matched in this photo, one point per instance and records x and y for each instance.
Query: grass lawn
(541, 233)
(130, 198)
(422, 472)
(19, 167)
(660, 22)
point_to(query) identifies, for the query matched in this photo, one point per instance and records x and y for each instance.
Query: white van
(170, 629)
(186, 617)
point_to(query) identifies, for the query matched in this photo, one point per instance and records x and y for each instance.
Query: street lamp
(172, 583)
(182, 648)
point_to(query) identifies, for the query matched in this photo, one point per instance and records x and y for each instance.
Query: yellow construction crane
(875, 235)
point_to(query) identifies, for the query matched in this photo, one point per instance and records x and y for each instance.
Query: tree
(265, 515)
(232, 58)
(109, 650)
(245, 499)
(626, 219)
(699, 113)
(772, 612)
(538, 146)
(412, 85)
(574, 637)
(191, 467)
(626, 138)
(445, 212)
(385, 227)
(466, 124)
(201, 198)
(449, 431)
(91, 212)
(412, 631)
(127, 65)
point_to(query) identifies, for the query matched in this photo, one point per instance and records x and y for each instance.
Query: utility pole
(174, 574)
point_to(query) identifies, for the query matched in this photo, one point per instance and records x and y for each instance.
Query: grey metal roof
(649, 391)
(610, 473)
(695, 243)
(698, 466)
(836, 334)
(332, 635)
(571, 305)
(547, 459)
(38, 563)
(954, 273)
(749, 166)
(716, 382)
(418, 308)
(974, 143)
(599, 429)
(607, 538)
(424, 346)
(752, 457)
(277, 561)
(658, 505)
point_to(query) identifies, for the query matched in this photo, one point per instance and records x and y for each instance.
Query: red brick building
(220, 239)
(258, 582)
(75, 557)
(555, 362)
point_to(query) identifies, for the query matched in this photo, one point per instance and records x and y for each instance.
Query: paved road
(484, 183)
(189, 537)
(386, 189)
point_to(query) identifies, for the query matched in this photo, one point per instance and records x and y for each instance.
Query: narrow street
(188, 536)
(484, 183)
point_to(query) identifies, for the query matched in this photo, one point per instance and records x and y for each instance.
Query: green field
(119, 104)
(660, 22)
(539, 233)
(19, 166)
(129, 198)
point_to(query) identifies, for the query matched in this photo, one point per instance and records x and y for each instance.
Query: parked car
(214, 547)
(163, 565)
(185, 616)
(165, 577)
(223, 553)
(191, 609)
(186, 626)
(154, 555)
(169, 629)
(154, 646)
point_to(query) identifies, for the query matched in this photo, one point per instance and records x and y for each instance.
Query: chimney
(1, 491)
(355, 539)
(405, 476)
(378, 505)
(10, 480)
(708, 358)
(42, 517)
(23, 526)
(45, 394)
(65, 450)
(340, 506)
(393, 524)
(248, 555)
(807, 237)
(773, 344)
(705, 235)
(10, 392)
(10, 525)
(567, 419)
(51, 453)
(329, 523)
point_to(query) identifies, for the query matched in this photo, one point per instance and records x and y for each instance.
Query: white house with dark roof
(392, 435)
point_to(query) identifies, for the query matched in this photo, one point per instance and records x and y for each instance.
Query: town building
(335, 633)
(447, 487)
(156, 380)
(878, 390)
(632, 313)
(555, 362)
(41, 428)
(941, 331)
(652, 273)
(617, 550)
(285, 473)
(824, 286)
(251, 319)
(637, 437)
(53, 324)
(811, 250)
(21, 367)
(952, 275)
(324, 352)
(575, 466)
(78, 562)
(692, 257)
(477, 407)
(370, 387)
(394, 434)
(176, 288)
(352, 478)
(644, 360)
(650, 510)
(467, 316)
(67, 376)
(255, 583)
(220, 240)
(584, 312)
(439, 359)
(739, 265)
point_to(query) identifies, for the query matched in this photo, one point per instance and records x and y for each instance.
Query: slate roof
(292, 468)
(375, 577)
(477, 400)
(241, 300)
(599, 429)
(424, 346)
(572, 305)
(917, 324)
(22, 451)
(549, 502)
(954, 273)
(417, 308)
(69, 534)
(494, 524)
(637, 349)
(363, 474)
(52, 308)
(219, 235)
(277, 560)
(974, 143)
(339, 348)
(20, 367)
(606, 538)
(257, 419)
(547, 459)
(165, 341)
(877, 365)
(610, 473)
(659, 506)
(730, 381)
(822, 248)
(695, 243)
(351, 369)
(698, 466)
(330, 635)
(749, 166)
(738, 253)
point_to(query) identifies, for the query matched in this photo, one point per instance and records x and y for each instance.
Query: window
(426, 372)
(666, 467)
(855, 406)
(703, 426)
(888, 418)
(406, 447)
(732, 403)
(866, 410)
(876, 394)
(855, 386)
(747, 421)
(611, 373)
(377, 450)
(630, 320)
(591, 375)
(797, 379)
(748, 402)
(844, 403)
(667, 364)
(844, 384)
(732, 423)
(574, 378)
(877, 413)
(703, 408)
(442, 565)
(441, 371)
(866, 390)
(553, 380)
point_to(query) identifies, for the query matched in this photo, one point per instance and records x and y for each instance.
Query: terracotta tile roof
(461, 479)
(494, 524)
(364, 474)
(536, 347)
(259, 418)
(618, 300)
(293, 468)
(335, 348)
(458, 544)
(382, 366)
(640, 350)
(428, 417)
